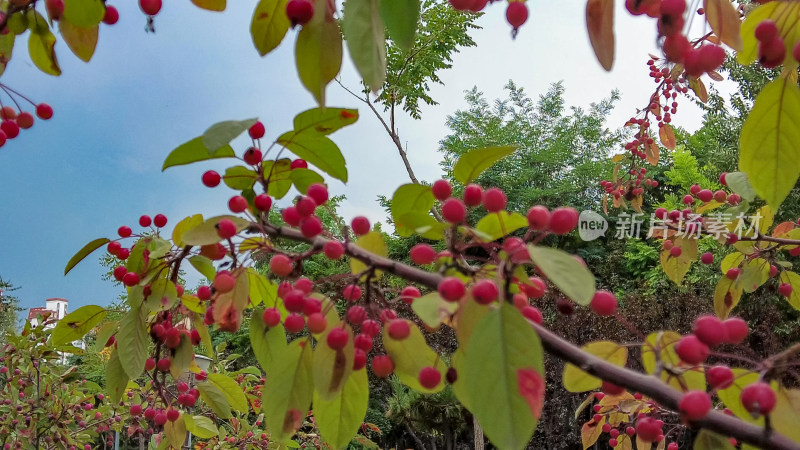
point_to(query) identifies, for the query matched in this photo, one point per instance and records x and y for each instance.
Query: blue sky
(96, 164)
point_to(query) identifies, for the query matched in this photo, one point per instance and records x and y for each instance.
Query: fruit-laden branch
(560, 348)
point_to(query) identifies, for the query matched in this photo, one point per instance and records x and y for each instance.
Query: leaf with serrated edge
(222, 133)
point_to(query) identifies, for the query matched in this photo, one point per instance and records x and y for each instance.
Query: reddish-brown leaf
(667, 136)
(725, 20)
(783, 228)
(600, 24)
(652, 153)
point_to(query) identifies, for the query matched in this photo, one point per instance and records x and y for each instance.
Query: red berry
(707, 258)
(517, 14)
(119, 273)
(485, 292)
(351, 292)
(454, 210)
(736, 330)
(538, 218)
(294, 300)
(124, 231)
(712, 56)
(695, 189)
(705, 195)
(692, 350)
(408, 294)
(611, 388)
(172, 338)
(257, 130)
(144, 221)
(291, 216)
(44, 111)
(758, 398)
(360, 225)
(647, 429)
(694, 405)
(237, 204)
(150, 364)
(766, 31)
(461, 5)
(163, 364)
(298, 164)
(356, 314)
(252, 156)
(280, 265)
(318, 192)
(719, 377)
(130, 279)
(337, 338)
(299, 12)
(211, 179)
(226, 229)
(604, 303)
(294, 323)
(305, 206)
(441, 190)
(536, 289)
(709, 330)
(160, 220)
(111, 15)
(451, 289)
(333, 250)
(160, 418)
(563, 220)
(675, 252)
(173, 414)
(371, 328)
(25, 120)
(422, 254)
(271, 317)
(773, 270)
(732, 273)
(262, 202)
(473, 195)
(311, 226)
(114, 247)
(494, 200)
(399, 329)
(533, 314)
(785, 289)
(382, 366)
(429, 377)
(150, 7)
(136, 410)
(359, 359)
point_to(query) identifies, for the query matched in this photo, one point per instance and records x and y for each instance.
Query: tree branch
(648, 385)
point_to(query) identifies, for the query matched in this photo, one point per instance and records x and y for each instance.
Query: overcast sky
(96, 164)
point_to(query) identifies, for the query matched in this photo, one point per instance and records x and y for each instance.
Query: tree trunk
(478, 434)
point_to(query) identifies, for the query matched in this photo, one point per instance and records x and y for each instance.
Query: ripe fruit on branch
(422, 254)
(408, 294)
(516, 14)
(533, 314)
(563, 220)
(318, 192)
(271, 317)
(538, 218)
(252, 156)
(44, 111)
(337, 338)
(333, 250)
(356, 315)
(256, 131)
(294, 323)
(226, 229)
(398, 329)
(710, 330)
(694, 405)
(351, 292)
(707, 258)
(691, 350)
(648, 429)
(473, 195)
(150, 7)
(211, 179)
(454, 210)
(382, 366)
(163, 364)
(485, 292)
(785, 289)
(604, 303)
(611, 388)
(299, 12)
(719, 377)
(237, 204)
(451, 289)
(263, 202)
(494, 200)
(111, 16)
(758, 399)
(280, 265)
(429, 377)
(311, 226)
(441, 190)
(360, 225)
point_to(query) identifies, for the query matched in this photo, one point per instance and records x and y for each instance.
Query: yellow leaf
(726, 296)
(591, 431)
(600, 24)
(676, 268)
(724, 19)
(652, 153)
(666, 133)
(794, 280)
(374, 243)
(660, 347)
(82, 41)
(576, 380)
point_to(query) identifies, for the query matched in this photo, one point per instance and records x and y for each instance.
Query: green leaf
(474, 162)
(193, 304)
(222, 133)
(363, 30)
(215, 399)
(794, 280)
(731, 396)
(163, 296)
(76, 324)
(500, 224)
(331, 368)
(200, 426)
(768, 153)
(324, 120)
(755, 272)
(410, 355)
(84, 252)
(269, 25)
(576, 380)
(318, 150)
(287, 394)
(6, 49)
(116, 378)
(268, 344)
(278, 174)
(372, 242)
(84, 13)
(677, 376)
(303, 178)
(262, 290)
(194, 151)
(420, 223)
(433, 310)
(239, 178)
(566, 272)
(726, 296)
(82, 41)
(104, 332)
(340, 416)
(411, 198)
(187, 223)
(708, 440)
(204, 266)
(318, 52)
(401, 18)
(41, 46)
(132, 341)
(206, 232)
(182, 358)
(231, 389)
(176, 432)
(503, 373)
(211, 5)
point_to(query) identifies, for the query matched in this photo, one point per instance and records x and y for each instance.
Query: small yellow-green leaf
(84, 252)
(116, 378)
(187, 223)
(740, 184)
(316, 149)
(204, 266)
(591, 431)
(215, 399)
(269, 25)
(660, 346)
(755, 272)
(566, 272)
(303, 178)
(231, 390)
(182, 358)
(200, 426)
(576, 380)
(41, 46)
(794, 280)
(318, 52)
(239, 178)
(786, 414)
(726, 296)
(206, 232)
(340, 416)
(432, 309)
(268, 343)
(176, 432)
(363, 31)
(410, 355)
(324, 120)
(331, 368)
(288, 392)
(194, 151)
(474, 162)
(768, 153)
(76, 324)
(84, 13)
(501, 223)
(222, 133)
(211, 5)
(132, 341)
(372, 242)
(82, 41)
(677, 268)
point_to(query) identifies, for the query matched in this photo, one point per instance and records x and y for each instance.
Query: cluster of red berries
(629, 187)
(301, 214)
(116, 249)
(13, 121)
(706, 196)
(516, 12)
(771, 46)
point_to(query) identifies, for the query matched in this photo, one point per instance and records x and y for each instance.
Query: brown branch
(647, 385)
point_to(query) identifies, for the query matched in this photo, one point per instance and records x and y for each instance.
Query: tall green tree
(9, 308)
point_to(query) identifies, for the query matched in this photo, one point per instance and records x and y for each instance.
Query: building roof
(57, 299)
(33, 312)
